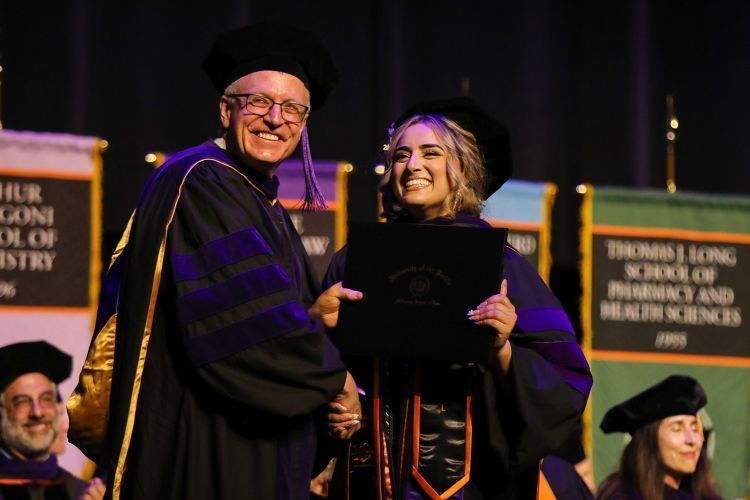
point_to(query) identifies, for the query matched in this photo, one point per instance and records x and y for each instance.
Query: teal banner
(525, 209)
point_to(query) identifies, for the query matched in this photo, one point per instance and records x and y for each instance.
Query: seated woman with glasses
(472, 431)
(665, 459)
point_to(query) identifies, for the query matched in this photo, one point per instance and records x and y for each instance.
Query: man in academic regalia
(221, 359)
(29, 419)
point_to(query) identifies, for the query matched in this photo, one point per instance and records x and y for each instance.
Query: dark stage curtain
(580, 84)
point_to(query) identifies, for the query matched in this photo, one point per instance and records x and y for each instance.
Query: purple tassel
(314, 199)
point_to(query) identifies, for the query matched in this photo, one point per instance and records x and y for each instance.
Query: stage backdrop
(322, 232)
(525, 208)
(50, 220)
(666, 291)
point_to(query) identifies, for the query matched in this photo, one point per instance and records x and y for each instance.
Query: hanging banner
(322, 232)
(665, 292)
(525, 208)
(50, 222)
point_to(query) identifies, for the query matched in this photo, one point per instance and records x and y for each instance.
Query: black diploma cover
(419, 281)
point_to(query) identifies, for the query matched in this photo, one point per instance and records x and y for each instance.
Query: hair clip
(391, 129)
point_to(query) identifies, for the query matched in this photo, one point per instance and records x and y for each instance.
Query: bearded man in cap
(221, 358)
(30, 425)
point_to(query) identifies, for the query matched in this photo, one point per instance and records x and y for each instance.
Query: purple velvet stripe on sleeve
(218, 253)
(569, 360)
(271, 323)
(538, 319)
(236, 290)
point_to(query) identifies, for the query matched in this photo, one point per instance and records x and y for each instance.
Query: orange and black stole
(434, 449)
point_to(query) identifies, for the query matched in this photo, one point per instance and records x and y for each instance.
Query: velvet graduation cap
(675, 395)
(28, 357)
(271, 46)
(277, 47)
(492, 138)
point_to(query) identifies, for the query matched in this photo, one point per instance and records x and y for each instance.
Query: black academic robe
(218, 367)
(516, 419)
(563, 479)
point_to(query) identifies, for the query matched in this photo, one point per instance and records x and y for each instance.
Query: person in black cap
(217, 323)
(665, 458)
(30, 424)
(443, 159)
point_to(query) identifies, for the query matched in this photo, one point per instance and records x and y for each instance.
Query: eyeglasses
(24, 404)
(260, 105)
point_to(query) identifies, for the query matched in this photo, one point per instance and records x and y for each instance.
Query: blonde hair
(465, 168)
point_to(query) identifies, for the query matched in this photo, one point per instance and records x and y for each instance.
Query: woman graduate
(665, 459)
(471, 431)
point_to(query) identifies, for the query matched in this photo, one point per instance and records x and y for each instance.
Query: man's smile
(267, 136)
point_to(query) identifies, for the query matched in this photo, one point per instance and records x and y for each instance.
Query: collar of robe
(32, 470)
(460, 219)
(268, 186)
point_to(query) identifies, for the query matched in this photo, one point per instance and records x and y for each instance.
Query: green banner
(665, 292)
